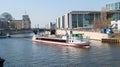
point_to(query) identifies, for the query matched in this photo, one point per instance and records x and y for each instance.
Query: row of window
(84, 20)
(81, 20)
(113, 6)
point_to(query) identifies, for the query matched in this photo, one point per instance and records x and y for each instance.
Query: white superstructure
(115, 25)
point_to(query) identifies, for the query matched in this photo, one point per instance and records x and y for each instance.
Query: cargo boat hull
(62, 42)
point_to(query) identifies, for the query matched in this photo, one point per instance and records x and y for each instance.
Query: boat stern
(80, 44)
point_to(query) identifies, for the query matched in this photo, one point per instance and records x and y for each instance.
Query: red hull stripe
(63, 44)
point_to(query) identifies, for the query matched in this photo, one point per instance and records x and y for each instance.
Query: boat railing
(77, 39)
(86, 40)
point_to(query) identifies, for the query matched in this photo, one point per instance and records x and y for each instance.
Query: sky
(41, 12)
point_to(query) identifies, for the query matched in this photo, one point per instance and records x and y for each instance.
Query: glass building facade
(77, 19)
(63, 22)
(74, 20)
(58, 22)
(116, 16)
(85, 19)
(113, 6)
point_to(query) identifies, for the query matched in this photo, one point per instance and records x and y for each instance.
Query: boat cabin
(76, 38)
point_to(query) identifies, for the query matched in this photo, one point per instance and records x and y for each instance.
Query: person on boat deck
(67, 36)
(35, 31)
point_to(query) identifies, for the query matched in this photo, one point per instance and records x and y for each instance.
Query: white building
(66, 20)
(51, 25)
(77, 19)
(86, 19)
(58, 22)
(115, 25)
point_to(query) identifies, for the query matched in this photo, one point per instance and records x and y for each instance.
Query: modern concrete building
(85, 19)
(58, 23)
(62, 22)
(51, 25)
(113, 6)
(77, 19)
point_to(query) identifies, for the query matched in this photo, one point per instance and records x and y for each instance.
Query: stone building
(26, 22)
(7, 22)
(17, 24)
(4, 25)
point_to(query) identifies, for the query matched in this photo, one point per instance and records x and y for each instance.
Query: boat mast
(67, 36)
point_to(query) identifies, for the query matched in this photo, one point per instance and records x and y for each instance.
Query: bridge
(41, 29)
(14, 31)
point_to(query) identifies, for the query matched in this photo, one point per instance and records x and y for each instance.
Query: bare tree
(103, 21)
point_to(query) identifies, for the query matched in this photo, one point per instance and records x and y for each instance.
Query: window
(80, 20)
(74, 20)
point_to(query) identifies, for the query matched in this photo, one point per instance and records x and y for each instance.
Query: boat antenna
(67, 35)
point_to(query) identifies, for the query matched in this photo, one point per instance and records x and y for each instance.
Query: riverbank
(16, 31)
(87, 34)
(94, 35)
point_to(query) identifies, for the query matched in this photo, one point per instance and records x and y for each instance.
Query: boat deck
(52, 39)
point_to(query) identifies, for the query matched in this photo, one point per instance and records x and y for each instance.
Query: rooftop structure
(5, 18)
(113, 6)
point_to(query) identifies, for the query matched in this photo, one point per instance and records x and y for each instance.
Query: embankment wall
(87, 34)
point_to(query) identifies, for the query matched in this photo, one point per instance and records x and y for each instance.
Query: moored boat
(1, 62)
(74, 40)
(3, 35)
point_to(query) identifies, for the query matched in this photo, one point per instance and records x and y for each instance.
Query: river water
(22, 52)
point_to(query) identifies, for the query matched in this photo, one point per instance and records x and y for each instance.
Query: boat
(4, 35)
(1, 62)
(73, 40)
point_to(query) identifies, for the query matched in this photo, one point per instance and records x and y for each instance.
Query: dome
(6, 16)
